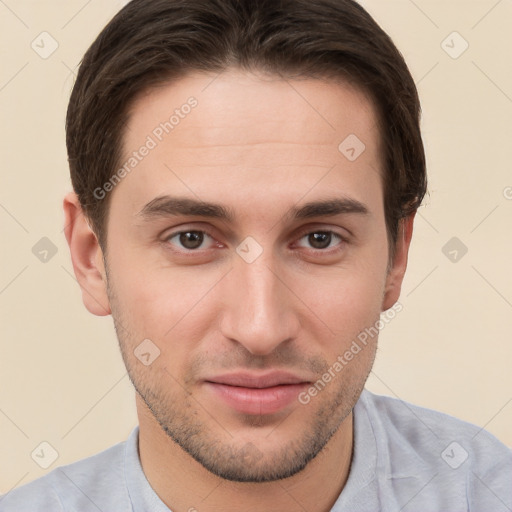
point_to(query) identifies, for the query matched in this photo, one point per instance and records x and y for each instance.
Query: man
(246, 175)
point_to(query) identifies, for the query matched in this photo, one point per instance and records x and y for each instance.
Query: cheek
(348, 300)
(158, 302)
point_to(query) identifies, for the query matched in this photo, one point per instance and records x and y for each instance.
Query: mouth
(257, 394)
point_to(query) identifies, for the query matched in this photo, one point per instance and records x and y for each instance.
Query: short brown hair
(151, 42)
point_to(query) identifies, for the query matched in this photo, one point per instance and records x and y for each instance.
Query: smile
(257, 394)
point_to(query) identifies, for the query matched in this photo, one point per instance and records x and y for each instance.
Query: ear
(87, 257)
(399, 265)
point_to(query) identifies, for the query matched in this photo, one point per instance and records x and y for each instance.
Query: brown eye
(321, 240)
(189, 240)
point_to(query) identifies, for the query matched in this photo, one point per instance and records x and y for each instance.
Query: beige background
(62, 378)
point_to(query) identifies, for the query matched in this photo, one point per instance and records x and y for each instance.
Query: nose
(259, 309)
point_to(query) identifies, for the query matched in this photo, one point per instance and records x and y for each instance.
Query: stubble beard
(186, 422)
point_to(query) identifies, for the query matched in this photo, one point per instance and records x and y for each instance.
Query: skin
(259, 145)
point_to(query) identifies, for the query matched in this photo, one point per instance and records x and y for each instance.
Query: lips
(257, 394)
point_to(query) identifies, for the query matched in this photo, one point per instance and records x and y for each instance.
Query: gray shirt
(406, 459)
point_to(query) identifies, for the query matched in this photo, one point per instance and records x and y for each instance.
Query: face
(251, 252)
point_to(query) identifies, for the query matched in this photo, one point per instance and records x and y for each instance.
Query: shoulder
(461, 458)
(416, 422)
(83, 485)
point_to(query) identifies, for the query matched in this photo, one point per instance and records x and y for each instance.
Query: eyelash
(329, 250)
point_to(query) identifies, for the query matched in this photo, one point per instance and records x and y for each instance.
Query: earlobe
(397, 271)
(86, 256)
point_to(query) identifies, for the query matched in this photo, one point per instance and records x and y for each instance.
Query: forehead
(309, 109)
(249, 132)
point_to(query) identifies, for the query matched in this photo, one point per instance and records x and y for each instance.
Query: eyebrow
(164, 206)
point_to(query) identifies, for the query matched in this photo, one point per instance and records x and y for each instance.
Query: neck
(184, 485)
